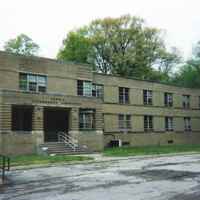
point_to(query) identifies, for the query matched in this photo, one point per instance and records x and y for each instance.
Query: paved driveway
(173, 178)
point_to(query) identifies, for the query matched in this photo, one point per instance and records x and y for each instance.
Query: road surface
(160, 178)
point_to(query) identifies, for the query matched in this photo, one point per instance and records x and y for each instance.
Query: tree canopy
(22, 44)
(123, 46)
(189, 73)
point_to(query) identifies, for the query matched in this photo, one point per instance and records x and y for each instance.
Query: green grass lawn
(39, 159)
(150, 150)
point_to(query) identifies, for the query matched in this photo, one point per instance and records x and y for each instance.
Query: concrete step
(62, 148)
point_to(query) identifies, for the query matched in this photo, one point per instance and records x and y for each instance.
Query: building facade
(41, 97)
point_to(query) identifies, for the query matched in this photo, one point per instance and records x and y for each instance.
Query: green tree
(22, 44)
(123, 46)
(166, 63)
(76, 47)
(189, 75)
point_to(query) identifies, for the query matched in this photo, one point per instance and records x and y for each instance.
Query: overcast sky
(48, 21)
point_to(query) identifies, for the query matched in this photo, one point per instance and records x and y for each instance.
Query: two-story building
(40, 97)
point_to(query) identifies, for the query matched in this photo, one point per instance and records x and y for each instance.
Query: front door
(55, 120)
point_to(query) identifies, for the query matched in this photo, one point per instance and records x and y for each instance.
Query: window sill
(169, 130)
(22, 132)
(148, 130)
(168, 106)
(87, 129)
(124, 103)
(32, 92)
(148, 104)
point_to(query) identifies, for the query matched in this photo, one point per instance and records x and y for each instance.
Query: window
(169, 124)
(84, 88)
(22, 118)
(187, 124)
(87, 119)
(168, 99)
(32, 82)
(124, 122)
(97, 90)
(186, 101)
(123, 95)
(148, 123)
(147, 95)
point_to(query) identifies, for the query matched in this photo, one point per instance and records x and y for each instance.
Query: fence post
(3, 169)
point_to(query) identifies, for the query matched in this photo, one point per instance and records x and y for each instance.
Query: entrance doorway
(55, 120)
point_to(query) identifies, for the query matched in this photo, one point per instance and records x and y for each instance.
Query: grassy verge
(39, 159)
(151, 150)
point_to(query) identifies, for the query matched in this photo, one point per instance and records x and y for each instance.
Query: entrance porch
(55, 120)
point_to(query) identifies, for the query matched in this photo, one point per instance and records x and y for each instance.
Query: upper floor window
(148, 97)
(186, 101)
(88, 89)
(169, 124)
(84, 88)
(124, 121)
(148, 123)
(187, 124)
(97, 90)
(32, 82)
(123, 95)
(168, 99)
(87, 119)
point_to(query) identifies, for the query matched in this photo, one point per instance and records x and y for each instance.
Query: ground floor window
(169, 124)
(22, 118)
(148, 123)
(124, 121)
(187, 124)
(87, 119)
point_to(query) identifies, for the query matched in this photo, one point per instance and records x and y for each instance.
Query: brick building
(40, 98)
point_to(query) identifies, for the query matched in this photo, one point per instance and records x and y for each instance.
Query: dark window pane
(22, 118)
(32, 86)
(123, 95)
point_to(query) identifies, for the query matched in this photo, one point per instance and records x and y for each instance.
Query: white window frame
(169, 126)
(148, 97)
(97, 90)
(147, 124)
(35, 80)
(122, 96)
(187, 124)
(186, 101)
(168, 99)
(125, 122)
(83, 113)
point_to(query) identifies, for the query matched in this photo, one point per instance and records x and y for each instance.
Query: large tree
(121, 45)
(22, 44)
(189, 73)
(76, 47)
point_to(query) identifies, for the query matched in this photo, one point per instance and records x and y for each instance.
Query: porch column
(37, 123)
(99, 119)
(6, 118)
(74, 122)
(5, 125)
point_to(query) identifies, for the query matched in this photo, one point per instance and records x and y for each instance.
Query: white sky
(48, 21)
